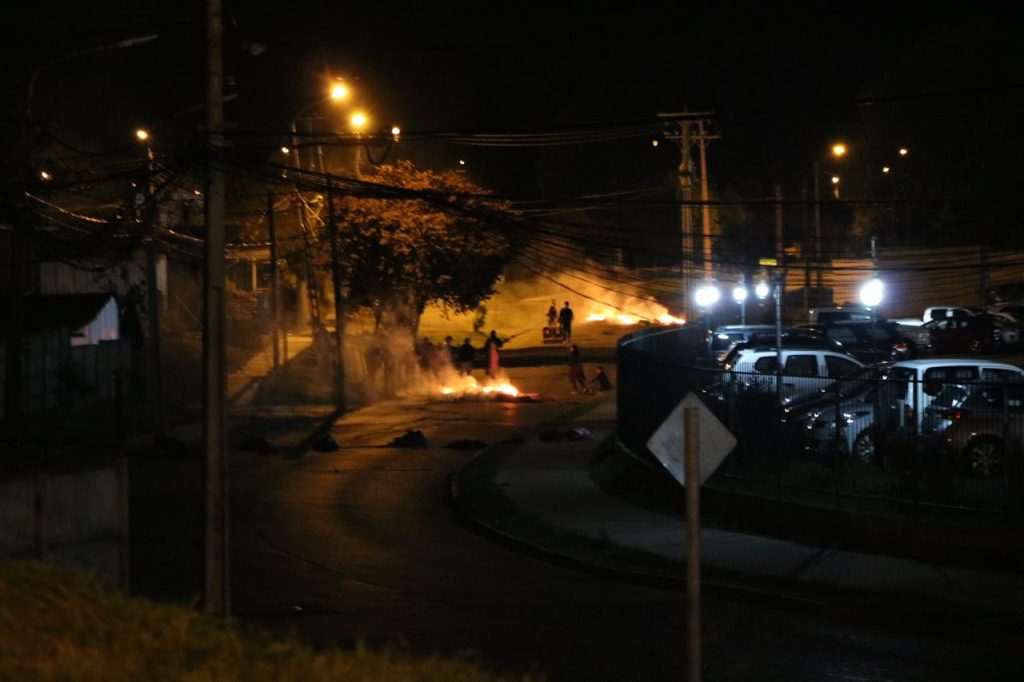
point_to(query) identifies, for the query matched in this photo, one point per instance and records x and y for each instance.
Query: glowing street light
(838, 149)
(395, 131)
(142, 135)
(45, 176)
(762, 290)
(286, 151)
(904, 151)
(886, 169)
(707, 295)
(339, 91)
(358, 120)
(872, 292)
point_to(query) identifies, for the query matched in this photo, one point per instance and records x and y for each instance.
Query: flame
(627, 319)
(462, 386)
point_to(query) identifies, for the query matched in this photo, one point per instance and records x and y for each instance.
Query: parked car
(939, 312)
(791, 338)
(722, 339)
(1013, 308)
(868, 341)
(807, 420)
(839, 313)
(804, 370)
(981, 333)
(893, 412)
(979, 426)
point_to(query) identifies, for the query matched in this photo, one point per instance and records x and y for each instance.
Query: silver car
(980, 426)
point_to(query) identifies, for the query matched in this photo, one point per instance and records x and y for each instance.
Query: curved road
(362, 545)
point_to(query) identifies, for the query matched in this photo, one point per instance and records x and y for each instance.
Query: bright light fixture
(142, 135)
(871, 292)
(762, 290)
(358, 119)
(739, 294)
(838, 149)
(707, 295)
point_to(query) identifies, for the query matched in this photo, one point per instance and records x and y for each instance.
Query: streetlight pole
(817, 227)
(127, 42)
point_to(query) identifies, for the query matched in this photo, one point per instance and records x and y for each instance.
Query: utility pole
(779, 247)
(682, 133)
(702, 137)
(217, 591)
(339, 303)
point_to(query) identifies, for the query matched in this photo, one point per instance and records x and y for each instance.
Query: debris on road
(413, 438)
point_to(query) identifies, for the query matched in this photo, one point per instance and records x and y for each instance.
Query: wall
(75, 518)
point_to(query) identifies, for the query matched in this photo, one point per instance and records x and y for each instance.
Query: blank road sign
(715, 441)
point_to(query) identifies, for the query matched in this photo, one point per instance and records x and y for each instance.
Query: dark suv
(868, 341)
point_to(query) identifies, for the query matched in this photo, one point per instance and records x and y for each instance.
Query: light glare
(872, 292)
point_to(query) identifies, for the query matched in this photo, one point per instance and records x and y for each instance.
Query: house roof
(49, 312)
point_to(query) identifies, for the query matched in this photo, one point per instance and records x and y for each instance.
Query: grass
(56, 624)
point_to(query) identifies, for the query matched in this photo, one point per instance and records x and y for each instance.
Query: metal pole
(153, 303)
(275, 281)
(691, 463)
(214, 375)
(817, 227)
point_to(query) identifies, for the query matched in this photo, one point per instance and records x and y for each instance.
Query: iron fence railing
(870, 442)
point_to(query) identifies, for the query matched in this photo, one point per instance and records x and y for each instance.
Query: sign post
(691, 443)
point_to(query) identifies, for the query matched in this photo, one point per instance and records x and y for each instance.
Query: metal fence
(869, 443)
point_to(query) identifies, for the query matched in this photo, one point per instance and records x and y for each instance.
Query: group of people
(578, 378)
(436, 359)
(463, 357)
(564, 319)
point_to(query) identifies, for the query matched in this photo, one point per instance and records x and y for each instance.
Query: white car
(900, 400)
(804, 370)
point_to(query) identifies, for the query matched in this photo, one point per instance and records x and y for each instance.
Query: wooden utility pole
(339, 303)
(217, 592)
(683, 134)
(702, 138)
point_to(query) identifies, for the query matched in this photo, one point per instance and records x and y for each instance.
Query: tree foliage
(439, 240)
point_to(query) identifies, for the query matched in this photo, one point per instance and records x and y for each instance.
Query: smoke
(387, 365)
(523, 305)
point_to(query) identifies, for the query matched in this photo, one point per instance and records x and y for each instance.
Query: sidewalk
(564, 514)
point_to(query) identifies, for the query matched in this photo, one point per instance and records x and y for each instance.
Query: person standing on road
(576, 376)
(552, 314)
(466, 354)
(565, 320)
(492, 346)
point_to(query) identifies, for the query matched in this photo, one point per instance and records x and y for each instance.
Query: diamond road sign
(715, 440)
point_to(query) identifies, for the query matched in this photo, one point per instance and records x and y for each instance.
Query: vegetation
(435, 241)
(56, 624)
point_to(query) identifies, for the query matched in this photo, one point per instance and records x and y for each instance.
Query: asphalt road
(361, 545)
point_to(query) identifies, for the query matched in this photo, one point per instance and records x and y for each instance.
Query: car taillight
(954, 415)
(899, 348)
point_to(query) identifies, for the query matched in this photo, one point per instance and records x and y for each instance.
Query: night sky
(783, 76)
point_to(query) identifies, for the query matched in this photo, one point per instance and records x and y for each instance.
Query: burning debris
(500, 389)
(615, 317)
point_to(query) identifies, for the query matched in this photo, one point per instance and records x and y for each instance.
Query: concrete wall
(75, 518)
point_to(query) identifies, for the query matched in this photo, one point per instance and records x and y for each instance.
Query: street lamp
(871, 294)
(838, 150)
(762, 290)
(127, 42)
(706, 296)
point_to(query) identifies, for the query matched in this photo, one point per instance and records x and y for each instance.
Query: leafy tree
(437, 239)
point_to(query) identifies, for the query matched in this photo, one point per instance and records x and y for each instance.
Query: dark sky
(473, 66)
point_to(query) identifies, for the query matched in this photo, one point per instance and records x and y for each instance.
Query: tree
(425, 237)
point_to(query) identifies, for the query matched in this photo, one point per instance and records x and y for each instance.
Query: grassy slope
(56, 624)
